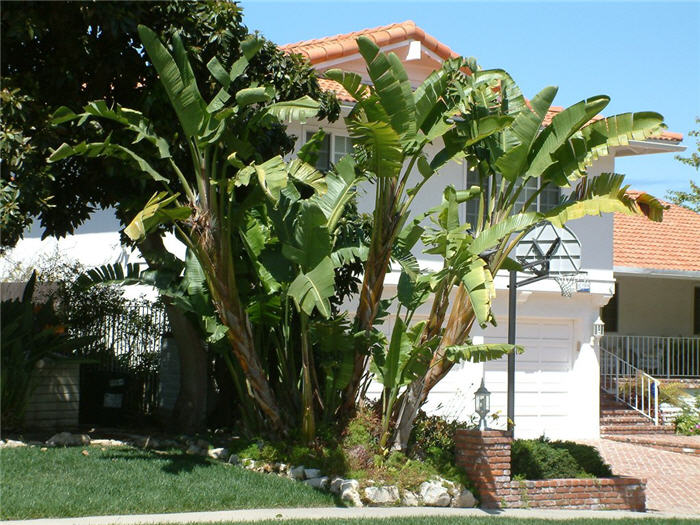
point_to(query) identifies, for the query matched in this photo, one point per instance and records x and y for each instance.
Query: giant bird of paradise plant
(208, 208)
(480, 116)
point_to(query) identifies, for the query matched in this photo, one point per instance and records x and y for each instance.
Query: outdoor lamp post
(482, 404)
(598, 328)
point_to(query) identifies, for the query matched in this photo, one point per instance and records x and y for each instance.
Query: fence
(662, 357)
(122, 365)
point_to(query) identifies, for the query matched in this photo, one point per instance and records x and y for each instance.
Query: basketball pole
(542, 273)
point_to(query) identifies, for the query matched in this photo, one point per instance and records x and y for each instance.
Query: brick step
(623, 420)
(635, 429)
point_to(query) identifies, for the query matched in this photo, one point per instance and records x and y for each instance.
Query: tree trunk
(457, 330)
(190, 412)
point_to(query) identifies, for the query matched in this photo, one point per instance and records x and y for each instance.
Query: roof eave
(652, 272)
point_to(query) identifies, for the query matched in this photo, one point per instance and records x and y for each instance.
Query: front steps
(616, 418)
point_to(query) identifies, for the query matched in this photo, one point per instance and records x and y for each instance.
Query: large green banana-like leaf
(478, 283)
(311, 241)
(382, 145)
(392, 86)
(178, 80)
(352, 82)
(255, 240)
(427, 96)
(105, 149)
(155, 213)
(562, 127)
(479, 353)
(255, 95)
(111, 274)
(308, 175)
(133, 120)
(604, 194)
(294, 110)
(341, 187)
(491, 236)
(272, 176)
(525, 129)
(311, 290)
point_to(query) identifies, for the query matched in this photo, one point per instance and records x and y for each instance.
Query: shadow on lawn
(176, 461)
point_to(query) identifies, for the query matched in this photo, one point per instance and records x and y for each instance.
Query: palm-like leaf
(178, 80)
(311, 290)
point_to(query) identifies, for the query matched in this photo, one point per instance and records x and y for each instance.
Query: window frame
(331, 136)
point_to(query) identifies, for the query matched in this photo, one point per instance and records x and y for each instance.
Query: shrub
(688, 422)
(544, 459)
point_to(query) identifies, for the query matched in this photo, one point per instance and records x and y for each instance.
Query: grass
(62, 482)
(441, 520)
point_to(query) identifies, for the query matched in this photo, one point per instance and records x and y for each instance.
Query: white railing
(664, 357)
(629, 384)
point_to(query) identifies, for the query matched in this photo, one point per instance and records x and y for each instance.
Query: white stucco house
(652, 271)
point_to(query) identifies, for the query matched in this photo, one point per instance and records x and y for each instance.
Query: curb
(252, 515)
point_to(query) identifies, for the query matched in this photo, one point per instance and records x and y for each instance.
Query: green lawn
(62, 482)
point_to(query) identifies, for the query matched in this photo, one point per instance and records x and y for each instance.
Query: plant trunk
(458, 327)
(370, 295)
(190, 412)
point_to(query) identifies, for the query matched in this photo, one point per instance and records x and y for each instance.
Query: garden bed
(486, 456)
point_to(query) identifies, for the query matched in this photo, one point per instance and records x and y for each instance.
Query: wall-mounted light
(598, 328)
(482, 404)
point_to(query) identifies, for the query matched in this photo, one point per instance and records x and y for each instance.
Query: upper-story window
(333, 148)
(546, 200)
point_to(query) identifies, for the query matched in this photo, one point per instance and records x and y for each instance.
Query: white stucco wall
(658, 306)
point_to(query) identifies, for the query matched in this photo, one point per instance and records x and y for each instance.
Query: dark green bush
(544, 459)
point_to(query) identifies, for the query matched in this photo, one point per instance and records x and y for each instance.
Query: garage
(543, 380)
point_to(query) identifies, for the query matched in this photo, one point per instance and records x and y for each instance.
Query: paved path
(369, 513)
(670, 442)
(673, 479)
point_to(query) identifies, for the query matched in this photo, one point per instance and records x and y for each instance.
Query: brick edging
(485, 456)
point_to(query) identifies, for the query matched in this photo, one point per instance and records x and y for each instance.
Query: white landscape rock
(66, 439)
(318, 483)
(409, 499)
(351, 496)
(297, 472)
(107, 443)
(218, 453)
(336, 484)
(434, 494)
(311, 473)
(387, 495)
(12, 443)
(464, 499)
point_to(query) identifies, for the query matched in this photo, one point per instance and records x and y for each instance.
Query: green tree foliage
(75, 52)
(689, 199)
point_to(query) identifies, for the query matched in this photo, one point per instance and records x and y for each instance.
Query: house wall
(596, 232)
(658, 306)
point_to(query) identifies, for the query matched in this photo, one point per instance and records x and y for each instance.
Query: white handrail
(662, 356)
(630, 385)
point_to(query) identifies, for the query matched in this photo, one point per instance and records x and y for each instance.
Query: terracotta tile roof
(332, 47)
(327, 84)
(673, 244)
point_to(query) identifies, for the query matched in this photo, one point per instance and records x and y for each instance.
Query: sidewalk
(251, 515)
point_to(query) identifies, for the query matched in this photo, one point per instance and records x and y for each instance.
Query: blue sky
(644, 55)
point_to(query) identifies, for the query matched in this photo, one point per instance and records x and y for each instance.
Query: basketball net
(572, 282)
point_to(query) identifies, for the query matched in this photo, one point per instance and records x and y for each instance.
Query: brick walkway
(673, 479)
(671, 442)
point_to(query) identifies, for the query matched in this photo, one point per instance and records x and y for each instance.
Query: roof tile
(673, 244)
(316, 50)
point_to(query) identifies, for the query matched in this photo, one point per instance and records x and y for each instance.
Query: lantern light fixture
(598, 328)
(482, 404)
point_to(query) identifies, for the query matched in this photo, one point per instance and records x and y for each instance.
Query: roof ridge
(345, 36)
(327, 48)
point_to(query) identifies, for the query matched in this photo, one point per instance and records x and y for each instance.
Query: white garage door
(542, 376)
